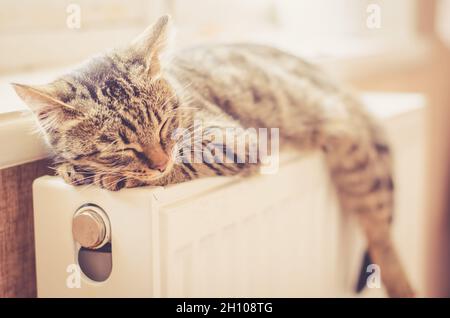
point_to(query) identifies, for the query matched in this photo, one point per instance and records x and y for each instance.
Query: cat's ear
(150, 44)
(42, 101)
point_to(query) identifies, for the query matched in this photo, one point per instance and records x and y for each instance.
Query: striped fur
(108, 120)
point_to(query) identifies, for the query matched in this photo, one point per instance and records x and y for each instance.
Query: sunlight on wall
(312, 28)
(443, 21)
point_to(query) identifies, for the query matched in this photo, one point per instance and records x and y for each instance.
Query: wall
(443, 22)
(17, 265)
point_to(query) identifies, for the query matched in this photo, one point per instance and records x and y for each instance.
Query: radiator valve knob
(90, 227)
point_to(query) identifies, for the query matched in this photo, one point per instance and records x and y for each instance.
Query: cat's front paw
(74, 175)
(116, 183)
(110, 182)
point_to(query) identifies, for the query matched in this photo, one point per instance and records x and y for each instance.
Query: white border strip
(20, 144)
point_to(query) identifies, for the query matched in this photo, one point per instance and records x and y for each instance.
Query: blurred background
(375, 45)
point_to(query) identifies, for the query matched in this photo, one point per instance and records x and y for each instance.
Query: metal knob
(90, 227)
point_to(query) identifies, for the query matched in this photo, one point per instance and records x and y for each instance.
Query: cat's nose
(161, 166)
(158, 161)
(157, 158)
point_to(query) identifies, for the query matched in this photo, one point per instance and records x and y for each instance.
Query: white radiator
(268, 236)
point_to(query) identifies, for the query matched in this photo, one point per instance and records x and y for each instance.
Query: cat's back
(249, 65)
(244, 57)
(256, 84)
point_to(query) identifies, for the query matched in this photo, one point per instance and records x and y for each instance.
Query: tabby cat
(112, 122)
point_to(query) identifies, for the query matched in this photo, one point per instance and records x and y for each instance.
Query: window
(313, 28)
(35, 36)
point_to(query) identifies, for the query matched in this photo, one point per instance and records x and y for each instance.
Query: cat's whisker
(112, 182)
(179, 109)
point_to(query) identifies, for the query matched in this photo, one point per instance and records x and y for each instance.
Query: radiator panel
(293, 243)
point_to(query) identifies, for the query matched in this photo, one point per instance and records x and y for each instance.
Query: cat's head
(116, 113)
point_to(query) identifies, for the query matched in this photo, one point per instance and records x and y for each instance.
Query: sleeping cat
(112, 123)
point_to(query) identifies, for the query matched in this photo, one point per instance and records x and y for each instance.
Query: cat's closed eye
(163, 129)
(114, 160)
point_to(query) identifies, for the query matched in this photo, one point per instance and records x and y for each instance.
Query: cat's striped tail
(359, 160)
